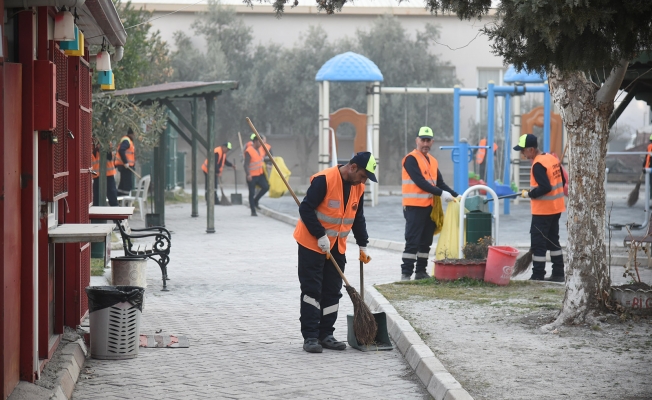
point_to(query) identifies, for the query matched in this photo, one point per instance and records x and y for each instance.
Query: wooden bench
(157, 246)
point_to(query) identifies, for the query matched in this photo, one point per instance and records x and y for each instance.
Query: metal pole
(193, 168)
(490, 134)
(458, 179)
(101, 180)
(546, 121)
(210, 192)
(507, 148)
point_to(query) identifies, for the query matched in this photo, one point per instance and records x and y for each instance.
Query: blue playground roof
(522, 76)
(349, 67)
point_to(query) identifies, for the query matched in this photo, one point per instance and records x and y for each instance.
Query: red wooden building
(45, 142)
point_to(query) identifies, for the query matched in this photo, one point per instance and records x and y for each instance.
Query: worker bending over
(220, 161)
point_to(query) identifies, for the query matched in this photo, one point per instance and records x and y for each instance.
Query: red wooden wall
(10, 233)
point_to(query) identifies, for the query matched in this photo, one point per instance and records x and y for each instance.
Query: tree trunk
(586, 121)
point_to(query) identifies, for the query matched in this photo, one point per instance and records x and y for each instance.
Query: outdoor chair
(642, 240)
(139, 194)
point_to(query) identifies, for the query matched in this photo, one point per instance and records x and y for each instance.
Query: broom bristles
(633, 195)
(225, 200)
(364, 323)
(522, 264)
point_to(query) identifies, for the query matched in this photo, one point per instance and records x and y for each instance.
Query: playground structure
(352, 67)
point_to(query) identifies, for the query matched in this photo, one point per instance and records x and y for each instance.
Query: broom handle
(328, 255)
(132, 170)
(361, 281)
(253, 128)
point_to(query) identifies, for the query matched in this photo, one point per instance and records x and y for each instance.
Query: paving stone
(235, 296)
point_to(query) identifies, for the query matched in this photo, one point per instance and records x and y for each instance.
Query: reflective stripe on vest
(130, 152)
(110, 166)
(255, 161)
(553, 201)
(412, 194)
(219, 158)
(336, 219)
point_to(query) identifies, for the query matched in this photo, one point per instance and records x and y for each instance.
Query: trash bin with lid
(115, 321)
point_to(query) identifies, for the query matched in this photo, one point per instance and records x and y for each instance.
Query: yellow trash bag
(437, 213)
(276, 186)
(448, 243)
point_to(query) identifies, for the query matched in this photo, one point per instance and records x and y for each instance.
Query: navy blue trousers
(321, 287)
(419, 230)
(544, 237)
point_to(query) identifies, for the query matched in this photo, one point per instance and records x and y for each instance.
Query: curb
(431, 372)
(616, 259)
(71, 360)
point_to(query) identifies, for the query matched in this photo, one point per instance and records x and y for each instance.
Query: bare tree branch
(607, 92)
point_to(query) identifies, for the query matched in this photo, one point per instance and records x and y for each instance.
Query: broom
(633, 195)
(364, 324)
(523, 263)
(224, 201)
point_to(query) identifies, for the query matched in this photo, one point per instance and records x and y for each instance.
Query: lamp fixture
(103, 61)
(64, 25)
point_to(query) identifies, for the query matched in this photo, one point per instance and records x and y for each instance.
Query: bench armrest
(159, 229)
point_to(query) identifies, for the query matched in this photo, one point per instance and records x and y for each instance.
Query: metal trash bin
(129, 271)
(115, 313)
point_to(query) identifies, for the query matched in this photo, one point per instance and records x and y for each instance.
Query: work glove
(364, 255)
(324, 244)
(525, 194)
(445, 196)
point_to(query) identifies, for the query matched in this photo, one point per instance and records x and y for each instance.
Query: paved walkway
(235, 295)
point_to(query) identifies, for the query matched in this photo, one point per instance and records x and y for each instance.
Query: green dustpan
(382, 341)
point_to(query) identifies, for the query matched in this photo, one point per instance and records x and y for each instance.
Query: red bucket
(500, 264)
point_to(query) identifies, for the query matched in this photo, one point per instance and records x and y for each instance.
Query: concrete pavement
(235, 295)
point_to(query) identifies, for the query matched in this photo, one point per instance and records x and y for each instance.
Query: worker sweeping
(547, 203)
(332, 208)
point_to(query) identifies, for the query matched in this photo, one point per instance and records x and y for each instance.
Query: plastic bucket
(500, 264)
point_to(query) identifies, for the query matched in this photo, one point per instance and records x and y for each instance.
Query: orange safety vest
(220, 157)
(130, 153)
(331, 213)
(256, 161)
(647, 158)
(413, 195)
(479, 156)
(553, 201)
(110, 166)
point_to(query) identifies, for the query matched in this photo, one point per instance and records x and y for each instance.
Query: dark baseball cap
(525, 141)
(366, 161)
(425, 133)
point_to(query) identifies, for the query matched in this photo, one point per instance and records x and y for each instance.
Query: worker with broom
(547, 203)
(220, 161)
(421, 181)
(255, 170)
(332, 208)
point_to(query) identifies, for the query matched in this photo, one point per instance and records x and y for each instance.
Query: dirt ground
(488, 338)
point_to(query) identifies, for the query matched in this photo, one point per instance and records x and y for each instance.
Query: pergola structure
(165, 94)
(350, 67)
